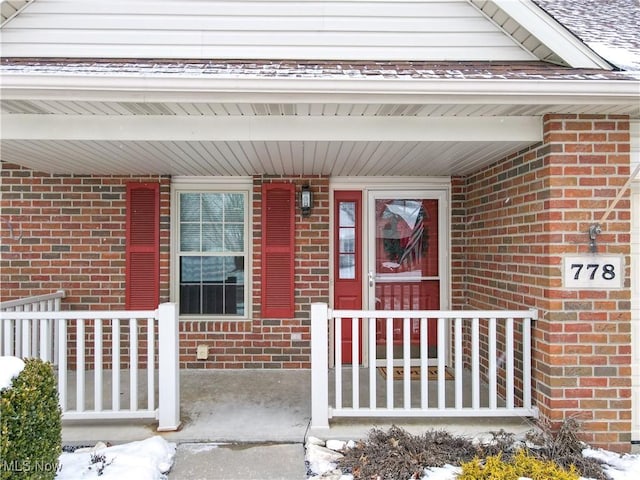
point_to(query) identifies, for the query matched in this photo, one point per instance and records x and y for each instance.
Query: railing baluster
(475, 363)
(424, 363)
(151, 364)
(526, 362)
(458, 361)
(373, 370)
(493, 371)
(509, 366)
(441, 363)
(80, 349)
(338, 362)
(25, 333)
(406, 367)
(115, 364)
(36, 329)
(9, 337)
(62, 363)
(97, 362)
(2, 345)
(389, 353)
(45, 340)
(355, 363)
(133, 364)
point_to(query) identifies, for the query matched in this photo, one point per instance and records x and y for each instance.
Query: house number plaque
(593, 272)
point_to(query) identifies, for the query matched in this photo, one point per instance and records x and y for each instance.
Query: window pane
(190, 269)
(234, 238)
(347, 240)
(235, 267)
(189, 237)
(347, 267)
(212, 207)
(347, 214)
(190, 207)
(212, 238)
(234, 207)
(213, 269)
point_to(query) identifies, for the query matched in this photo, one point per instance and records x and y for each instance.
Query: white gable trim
(10, 10)
(566, 45)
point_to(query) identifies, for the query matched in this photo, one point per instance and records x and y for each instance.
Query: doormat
(398, 373)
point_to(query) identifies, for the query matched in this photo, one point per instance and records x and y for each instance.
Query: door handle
(371, 279)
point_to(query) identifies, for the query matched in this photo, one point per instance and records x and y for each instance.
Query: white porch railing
(483, 364)
(32, 338)
(102, 348)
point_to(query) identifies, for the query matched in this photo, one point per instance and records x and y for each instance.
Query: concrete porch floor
(258, 406)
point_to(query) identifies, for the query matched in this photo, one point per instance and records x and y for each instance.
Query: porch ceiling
(225, 139)
(248, 139)
(213, 144)
(235, 124)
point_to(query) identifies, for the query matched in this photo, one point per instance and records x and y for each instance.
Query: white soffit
(241, 145)
(242, 158)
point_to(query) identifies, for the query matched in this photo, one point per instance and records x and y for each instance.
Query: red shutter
(142, 277)
(278, 212)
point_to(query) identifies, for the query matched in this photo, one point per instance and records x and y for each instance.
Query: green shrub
(30, 424)
(522, 465)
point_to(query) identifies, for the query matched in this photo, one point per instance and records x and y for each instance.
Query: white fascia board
(554, 35)
(315, 90)
(269, 128)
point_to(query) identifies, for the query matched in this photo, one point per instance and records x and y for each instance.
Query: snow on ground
(321, 459)
(619, 467)
(10, 367)
(148, 459)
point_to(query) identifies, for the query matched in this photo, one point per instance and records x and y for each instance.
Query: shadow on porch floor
(243, 406)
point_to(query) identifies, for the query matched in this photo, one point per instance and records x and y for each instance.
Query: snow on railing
(31, 338)
(479, 367)
(120, 349)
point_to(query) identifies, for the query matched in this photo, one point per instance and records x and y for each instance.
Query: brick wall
(521, 215)
(73, 234)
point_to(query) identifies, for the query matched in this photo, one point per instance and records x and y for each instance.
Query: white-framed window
(211, 247)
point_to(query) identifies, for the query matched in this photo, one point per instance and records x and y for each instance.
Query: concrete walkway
(202, 461)
(237, 425)
(252, 424)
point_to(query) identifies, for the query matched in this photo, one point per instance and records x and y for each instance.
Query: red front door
(348, 262)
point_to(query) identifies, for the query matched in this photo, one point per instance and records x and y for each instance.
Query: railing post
(168, 366)
(319, 367)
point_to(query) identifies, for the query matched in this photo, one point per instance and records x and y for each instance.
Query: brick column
(583, 342)
(521, 216)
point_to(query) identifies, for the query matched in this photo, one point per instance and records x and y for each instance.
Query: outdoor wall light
(306, 200)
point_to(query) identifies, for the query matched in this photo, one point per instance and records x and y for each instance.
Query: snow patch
(618, 467)
(10, 367)
(620, 57)
(200, 447)
(148, 459)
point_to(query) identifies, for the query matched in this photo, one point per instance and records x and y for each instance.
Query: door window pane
(347, 240)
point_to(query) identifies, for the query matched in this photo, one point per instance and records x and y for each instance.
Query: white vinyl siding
(264, 29)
